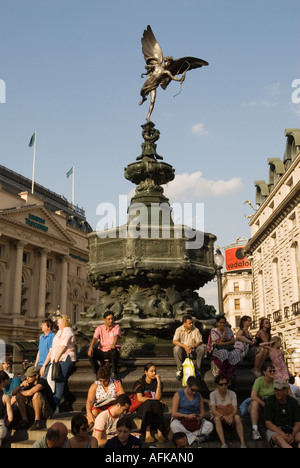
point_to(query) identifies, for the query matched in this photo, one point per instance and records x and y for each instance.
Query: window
(273, 239)
(237, 321)
(75, 313)
(236, 287)
(237, 304)
(297, 262)
(292, 221)
(276, 284)
(26, 258)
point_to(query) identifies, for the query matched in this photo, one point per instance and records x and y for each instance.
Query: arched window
(295, 264)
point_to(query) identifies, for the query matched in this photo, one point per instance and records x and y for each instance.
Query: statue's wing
(150, 47)
(182, 65)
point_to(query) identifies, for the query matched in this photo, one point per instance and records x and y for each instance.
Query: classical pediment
(33, 221)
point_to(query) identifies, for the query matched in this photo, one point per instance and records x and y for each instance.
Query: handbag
(135, 403)
(225, 410)
(55, 374)
(191, 425)
(226, 347)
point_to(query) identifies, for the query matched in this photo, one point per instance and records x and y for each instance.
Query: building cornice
(278, 215)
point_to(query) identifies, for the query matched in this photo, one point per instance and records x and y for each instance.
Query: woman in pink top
(62, 351)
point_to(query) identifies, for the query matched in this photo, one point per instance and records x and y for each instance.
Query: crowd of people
(27, 403)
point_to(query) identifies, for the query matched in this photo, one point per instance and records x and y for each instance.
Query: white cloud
(198, 129)
(186, 187)
(273, 89)
(259, 103)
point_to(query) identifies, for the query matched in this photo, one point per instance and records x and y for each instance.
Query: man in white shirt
(106, 422)
(188, 342)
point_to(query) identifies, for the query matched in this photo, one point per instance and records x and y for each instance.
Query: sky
(71, 70)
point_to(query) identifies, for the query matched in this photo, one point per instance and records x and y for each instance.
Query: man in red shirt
(109, 337)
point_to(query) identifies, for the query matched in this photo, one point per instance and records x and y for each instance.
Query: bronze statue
(162, 70)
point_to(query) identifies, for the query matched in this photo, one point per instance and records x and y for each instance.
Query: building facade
(237, 284)
(275, 247)
(43, 258)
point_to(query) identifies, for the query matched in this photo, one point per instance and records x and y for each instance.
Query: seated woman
(102, 393)
(224, 356)
(188, 412)
(149, 392)
(124, 438)
(79, 429)
(224, 410)
(251, 348)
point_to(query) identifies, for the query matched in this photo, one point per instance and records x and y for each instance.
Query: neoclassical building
(43, 258)
(275, 247)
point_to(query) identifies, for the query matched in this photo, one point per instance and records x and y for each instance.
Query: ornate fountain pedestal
(149, 269)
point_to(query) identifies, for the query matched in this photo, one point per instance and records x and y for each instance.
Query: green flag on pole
(70, 172)
(32, 140)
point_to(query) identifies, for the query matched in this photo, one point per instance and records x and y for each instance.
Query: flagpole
(33, 166)
(73, 191)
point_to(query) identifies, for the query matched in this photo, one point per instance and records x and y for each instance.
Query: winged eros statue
(162, 70)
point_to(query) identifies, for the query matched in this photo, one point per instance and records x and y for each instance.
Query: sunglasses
(194, 390)
(223, 384)
(84, 428)
(272, 371)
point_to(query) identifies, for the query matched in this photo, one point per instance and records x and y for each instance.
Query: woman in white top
(102, 393)
(62, 351)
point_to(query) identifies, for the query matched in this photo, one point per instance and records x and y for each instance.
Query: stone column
(16, 304)
(42, 284)
(64, 285)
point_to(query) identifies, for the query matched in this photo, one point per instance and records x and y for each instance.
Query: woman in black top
(251, 345)
(149, 392)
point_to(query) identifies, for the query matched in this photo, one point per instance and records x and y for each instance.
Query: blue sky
(72, 72)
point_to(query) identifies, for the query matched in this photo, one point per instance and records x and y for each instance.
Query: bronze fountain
(149, 271)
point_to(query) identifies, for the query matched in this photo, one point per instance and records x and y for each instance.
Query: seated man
(106, 422)
(188, 341)
(55, 437)
(34, 392)
(282, 416)
(109, 337)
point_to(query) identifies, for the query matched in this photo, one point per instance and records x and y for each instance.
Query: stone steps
(133, 369)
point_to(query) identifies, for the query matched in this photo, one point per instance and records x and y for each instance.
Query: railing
(277, 316)
(296, 308)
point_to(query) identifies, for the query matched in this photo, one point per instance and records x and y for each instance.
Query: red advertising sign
(235, 259)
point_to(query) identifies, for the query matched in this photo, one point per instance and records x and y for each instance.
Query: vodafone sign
(235, 259)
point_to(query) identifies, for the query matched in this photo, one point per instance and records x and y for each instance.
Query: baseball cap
(280, 384)
(32, 371)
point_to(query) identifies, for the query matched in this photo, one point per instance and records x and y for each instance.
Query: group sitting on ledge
(112, 416)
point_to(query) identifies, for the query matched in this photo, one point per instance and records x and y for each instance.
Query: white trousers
(206, 429)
